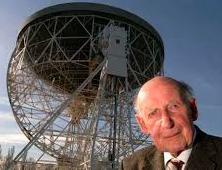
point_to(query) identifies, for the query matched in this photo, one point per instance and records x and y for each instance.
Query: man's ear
(142, 124)
(194, 110)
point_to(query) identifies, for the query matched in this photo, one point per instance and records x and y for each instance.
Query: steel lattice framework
(62, 96)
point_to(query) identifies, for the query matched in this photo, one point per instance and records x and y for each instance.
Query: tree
(9, 159)
(1, 157)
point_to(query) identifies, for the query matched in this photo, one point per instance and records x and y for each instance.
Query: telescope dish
(72, 79)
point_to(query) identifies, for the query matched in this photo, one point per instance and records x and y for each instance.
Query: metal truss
(62, 97)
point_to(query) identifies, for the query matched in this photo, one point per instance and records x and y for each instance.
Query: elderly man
(166, 110)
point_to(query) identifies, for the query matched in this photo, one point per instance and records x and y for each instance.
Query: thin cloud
(4, 100)
(13, 139)
(6, 116)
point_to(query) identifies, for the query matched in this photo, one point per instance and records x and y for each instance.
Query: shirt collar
(184, 155)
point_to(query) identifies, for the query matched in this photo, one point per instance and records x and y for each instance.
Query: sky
(191, 33)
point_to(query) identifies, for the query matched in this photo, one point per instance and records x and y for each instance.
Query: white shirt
(183, 156)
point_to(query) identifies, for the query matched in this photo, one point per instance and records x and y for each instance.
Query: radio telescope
(72, 78)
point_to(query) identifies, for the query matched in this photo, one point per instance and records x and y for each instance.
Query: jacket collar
(203, 152)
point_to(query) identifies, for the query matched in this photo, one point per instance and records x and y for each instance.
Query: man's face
(166, 117)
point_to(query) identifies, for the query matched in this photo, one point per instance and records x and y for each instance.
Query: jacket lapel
(157, 161)
(203, 153)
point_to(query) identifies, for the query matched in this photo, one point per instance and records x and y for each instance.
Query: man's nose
(167, 121)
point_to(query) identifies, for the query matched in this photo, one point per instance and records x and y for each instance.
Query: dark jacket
(206, 155)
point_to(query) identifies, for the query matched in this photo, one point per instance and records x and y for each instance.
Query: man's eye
(173, 107)
(152, 114)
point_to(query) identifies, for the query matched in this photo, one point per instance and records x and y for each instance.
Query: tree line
(26, 163)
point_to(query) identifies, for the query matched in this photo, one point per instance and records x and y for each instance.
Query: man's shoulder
(204, 137)
(207, 145)
(207, 149)
(140, 159)
(216, 140)
(142, 153)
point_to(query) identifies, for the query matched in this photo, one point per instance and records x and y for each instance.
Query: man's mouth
(170, 134)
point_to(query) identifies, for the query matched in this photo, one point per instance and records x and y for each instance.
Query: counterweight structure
(72, 79)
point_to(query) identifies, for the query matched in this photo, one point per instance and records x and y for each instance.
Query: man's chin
(175, 149)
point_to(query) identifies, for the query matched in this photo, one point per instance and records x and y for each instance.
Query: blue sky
(191, 32)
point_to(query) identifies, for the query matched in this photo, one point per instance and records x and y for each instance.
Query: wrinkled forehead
(158, 85)
(157, 90)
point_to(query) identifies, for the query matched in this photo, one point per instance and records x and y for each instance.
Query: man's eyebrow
(151, 110)
(174, 102)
